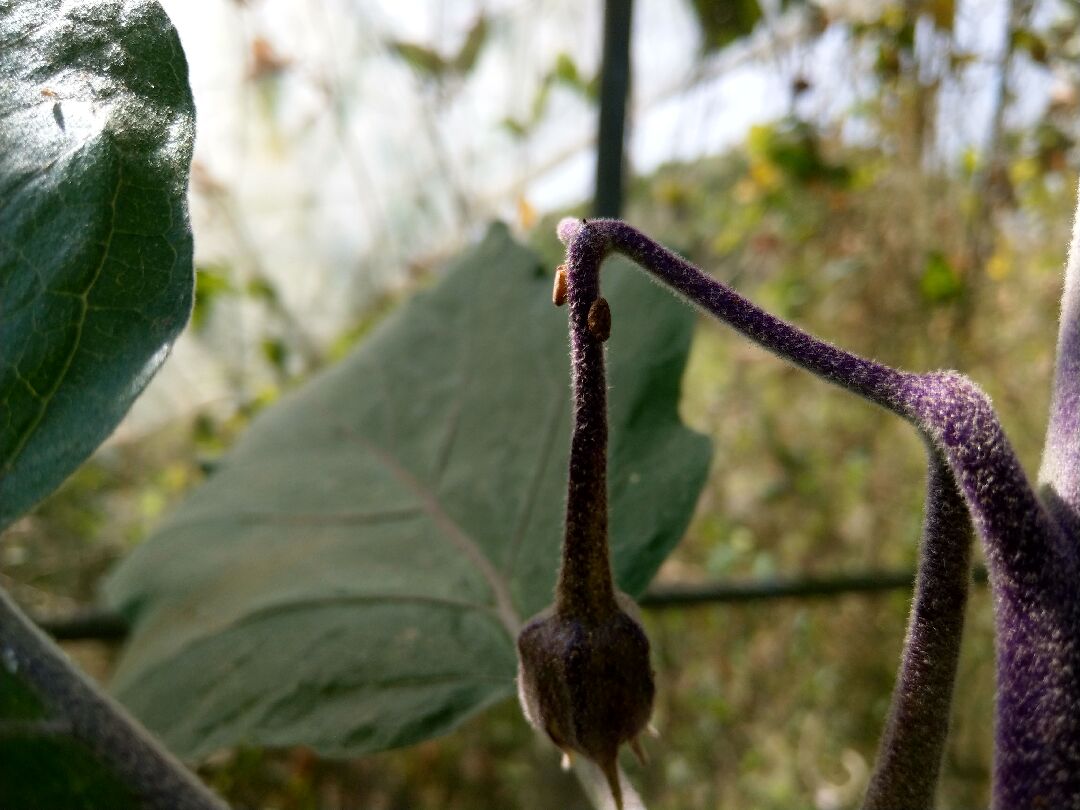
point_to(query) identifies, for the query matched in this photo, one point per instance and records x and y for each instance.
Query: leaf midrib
(504, 605)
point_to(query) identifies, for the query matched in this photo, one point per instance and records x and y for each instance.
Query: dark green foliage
(96, 127)
(57, 773)
(96, 130)
(17, 702)
(724, 21)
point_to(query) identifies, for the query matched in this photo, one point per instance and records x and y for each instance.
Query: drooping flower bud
(587, 682)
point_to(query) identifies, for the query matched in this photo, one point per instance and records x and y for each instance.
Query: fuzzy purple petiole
(584, 674)
(974, 478)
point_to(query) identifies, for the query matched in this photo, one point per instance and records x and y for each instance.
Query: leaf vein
(80, 323)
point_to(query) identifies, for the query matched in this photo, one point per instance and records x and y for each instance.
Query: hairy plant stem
(906, 770)
(585, 584)
(84, 713)
(584, 673)
(1032, 561)
(1059, 473)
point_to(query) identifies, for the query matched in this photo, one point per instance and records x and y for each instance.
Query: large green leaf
(352, 576)
(96, 126)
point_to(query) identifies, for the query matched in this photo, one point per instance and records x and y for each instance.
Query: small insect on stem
(558, 292)
(600, 319)
(48, 92)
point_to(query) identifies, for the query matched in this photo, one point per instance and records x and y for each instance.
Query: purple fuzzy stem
(1033, 572)
(1033, 564)
(1059, 474)
(874, 381)
(906, 769)
(585, 582)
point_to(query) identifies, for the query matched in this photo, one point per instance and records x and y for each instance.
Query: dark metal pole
(614, 90)
(681, 596)
(108, 626)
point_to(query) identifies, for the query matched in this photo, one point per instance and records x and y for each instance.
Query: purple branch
(585, 583)
(906, 769)
(1033, 574)
(874, 381)
(1033, 565)
(584, 675)
(1060, 471)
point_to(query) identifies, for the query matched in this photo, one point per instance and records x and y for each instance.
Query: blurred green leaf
(1024, 39)
(942, 12)
(887, 62)
(1051, 146)
(210, 285)
(433, 65)
(352, 575)
(794, 147)
(276, 352)
(96, 127)
(421, 59)
(261, 289)
(467, 57)
(724, 21)
(519, 129)
(566, 70)
(940, 282)
(540, 102)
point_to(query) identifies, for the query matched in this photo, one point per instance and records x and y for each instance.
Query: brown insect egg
(600, 319)
(558, 292)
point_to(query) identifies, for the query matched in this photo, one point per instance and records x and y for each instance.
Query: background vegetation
(874, 225)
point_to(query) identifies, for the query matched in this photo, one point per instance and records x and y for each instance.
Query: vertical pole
(614, 89)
